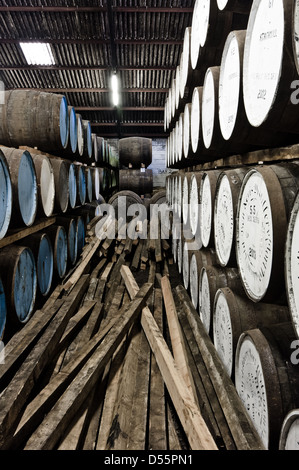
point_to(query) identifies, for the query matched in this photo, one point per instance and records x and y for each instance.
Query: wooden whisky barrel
(80, 137)
(19, 278)
(266, 198)
(58, 237)
(135, 151)
(73, 133)
(196, 129)
(292, 265)
(24, 186)
(288, 439)
(61, 180)
(199, 259)
(194, 206)
(139, 181)
(187, 132)
(45, 185)
(72, 183)
(269, 67)
(207, 206)
(265, 378)
(88, 178)
(70, 226)
(211, 279)
(87, 138)
(213, 140)
(186, 198)
(41, 247)
(5, 196)
(72, 144)
(96, 187)
(232, 315)
(210, 27)
(81, 185)
(235, 128)
(225, 210)
(34, 119)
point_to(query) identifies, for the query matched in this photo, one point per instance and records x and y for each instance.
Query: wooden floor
(118, 359)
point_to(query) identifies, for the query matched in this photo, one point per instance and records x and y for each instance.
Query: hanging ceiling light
(115, 90)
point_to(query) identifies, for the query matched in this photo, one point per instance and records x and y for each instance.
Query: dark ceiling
(140, 40)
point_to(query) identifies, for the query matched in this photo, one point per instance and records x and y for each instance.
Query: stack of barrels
(236, 229)
(235, 241)
(41, 178)
(135, 156)
(108, 162)
(235, 89)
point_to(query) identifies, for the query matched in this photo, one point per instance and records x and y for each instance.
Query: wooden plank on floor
(52, 427)
(196, 429)
(176, 336)
(157, 433)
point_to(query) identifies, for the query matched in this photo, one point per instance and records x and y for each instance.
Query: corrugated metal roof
(140, 39)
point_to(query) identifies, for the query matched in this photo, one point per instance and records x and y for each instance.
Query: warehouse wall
(158, 165)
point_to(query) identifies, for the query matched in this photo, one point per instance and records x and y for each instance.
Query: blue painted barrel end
(82, 185)
(72, 186)
(3, 310)
(45, 265)
(73, 242)
(25, 285)
(89, 140)
(73, 130)
(64, 122)
(61, 252)
(5, 196)
(89, 184)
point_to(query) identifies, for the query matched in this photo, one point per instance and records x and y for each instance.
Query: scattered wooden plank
(16, 393)
(196, 429)
(176, 335)
(157, 434)
(114, 369)
(51, 429)
(242, 429)
(82, 266)
(136, 257)
(22, 342)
